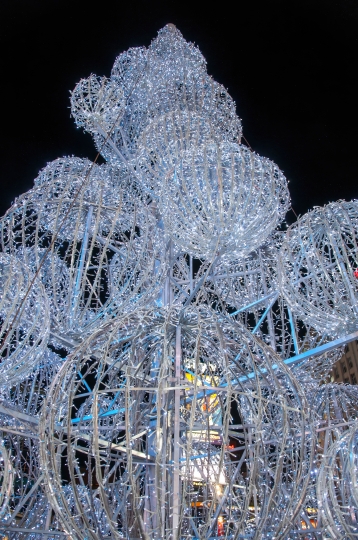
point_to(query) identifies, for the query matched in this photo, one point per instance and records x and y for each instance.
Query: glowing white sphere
(94, 239)
(168, 77)
(124, 426)
(318, 260)
(67, 189)
(222, 200)
(97, 102)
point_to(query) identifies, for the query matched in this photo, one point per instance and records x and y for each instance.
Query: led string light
(125, 420)
(149, 305)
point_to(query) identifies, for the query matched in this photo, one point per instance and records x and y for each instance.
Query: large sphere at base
(185, 402)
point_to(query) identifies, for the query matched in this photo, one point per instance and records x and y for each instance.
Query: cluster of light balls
(147, 307)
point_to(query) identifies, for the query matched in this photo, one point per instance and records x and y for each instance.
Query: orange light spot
(221, 528)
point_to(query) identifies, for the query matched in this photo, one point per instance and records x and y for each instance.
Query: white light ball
(119, 419)
(222, 200)
(317, 265)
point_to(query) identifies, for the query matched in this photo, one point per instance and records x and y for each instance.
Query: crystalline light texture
(24, 320)
(129, 445)
(146, 317)
(339, 499)
(93, 238)
(317, 263)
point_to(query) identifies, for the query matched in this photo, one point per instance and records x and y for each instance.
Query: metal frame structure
(164, 339)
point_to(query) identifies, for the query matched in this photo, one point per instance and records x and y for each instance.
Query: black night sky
(290, 65)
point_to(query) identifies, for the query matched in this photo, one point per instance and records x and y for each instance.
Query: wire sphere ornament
(241, 282)
(335, 405)
(68, 189)
(335, 412)
(338, 488)
(75, 225)
(24, 317)
(316, 270)
(221, 200)
(27, 395)
(19, 410)
(27, 476)
(97, 104)
(249, 286)
(128, 385)
(145, 84)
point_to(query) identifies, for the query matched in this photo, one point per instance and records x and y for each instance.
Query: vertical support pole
(81, 264)
(252, 464)
(164, 504)
(271, 326)
(176, 452)
(151, 503)
(293, 331)
(191, 273)
(48, 519)
(167, 290)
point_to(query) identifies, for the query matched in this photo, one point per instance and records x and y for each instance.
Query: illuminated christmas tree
(165, 337)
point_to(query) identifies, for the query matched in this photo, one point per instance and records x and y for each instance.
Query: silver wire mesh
(120, 437)
(317, 264)
(148, 309)
(87, 223)
(337, 487)
(21, 344)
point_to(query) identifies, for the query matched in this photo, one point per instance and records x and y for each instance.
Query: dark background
(291, 67)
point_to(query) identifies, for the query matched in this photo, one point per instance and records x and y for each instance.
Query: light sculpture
(243, 281)
(27, 506)
(76, 229)
(27, 396)
(318, 260)
(163, 343)
(251, 286)
(293, 335)
(169, 76)
(221, 199)
(335, 414)
(122, 428)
